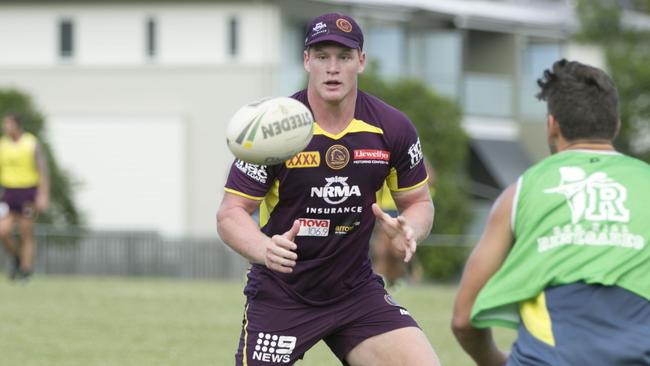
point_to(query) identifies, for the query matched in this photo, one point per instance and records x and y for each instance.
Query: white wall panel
(131, 170)
(114, 34)
(27, 36)
(111, 36)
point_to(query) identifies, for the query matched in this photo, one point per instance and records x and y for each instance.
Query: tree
(627, 51)
(62, 207)
(445, 145)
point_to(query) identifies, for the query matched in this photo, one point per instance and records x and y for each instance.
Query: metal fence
(123, 253)
(72, 251)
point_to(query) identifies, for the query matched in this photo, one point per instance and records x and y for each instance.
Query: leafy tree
(62, 208)
(445, 145)
(627, 52)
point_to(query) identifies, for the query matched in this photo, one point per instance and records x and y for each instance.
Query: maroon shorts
(20, 200)
(278, 330)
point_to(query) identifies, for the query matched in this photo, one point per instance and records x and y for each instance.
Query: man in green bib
(565, 257)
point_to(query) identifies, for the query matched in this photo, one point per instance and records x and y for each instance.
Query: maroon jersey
(329, 188)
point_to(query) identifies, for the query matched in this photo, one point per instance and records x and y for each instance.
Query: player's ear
(305, 59)
(552, 126)
(362, 61)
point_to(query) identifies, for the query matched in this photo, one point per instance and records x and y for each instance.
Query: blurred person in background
(311, 277)
(564, 256)
(24, 178)
(386, 260)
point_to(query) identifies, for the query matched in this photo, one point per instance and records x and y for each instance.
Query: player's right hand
(399, 232)
(280, 251)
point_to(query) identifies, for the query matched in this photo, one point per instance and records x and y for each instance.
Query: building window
(66, 39)
(385, 45)
(233, 36)
(151, 38)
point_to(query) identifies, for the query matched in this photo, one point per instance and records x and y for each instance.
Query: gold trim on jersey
(244, 355)
(391, 182)
(229, 190)
(270, 201)
(354, 126)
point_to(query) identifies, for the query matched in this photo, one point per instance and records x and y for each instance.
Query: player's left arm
(43, 189)
(486, 258)
(414, 222)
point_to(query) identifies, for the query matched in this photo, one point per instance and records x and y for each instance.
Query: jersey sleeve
(407, 169)
(249, 180)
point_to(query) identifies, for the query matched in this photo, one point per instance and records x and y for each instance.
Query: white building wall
(589, 54)
(114, 34)
(107, 36)
(126, 175)
(177, 105)
(202, 42)
(27, 36)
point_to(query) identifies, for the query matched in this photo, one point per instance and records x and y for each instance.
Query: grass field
(89, 321)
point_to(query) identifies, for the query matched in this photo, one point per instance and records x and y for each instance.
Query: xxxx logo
(305, 159)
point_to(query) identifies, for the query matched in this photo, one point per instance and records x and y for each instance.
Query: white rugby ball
(270, 131)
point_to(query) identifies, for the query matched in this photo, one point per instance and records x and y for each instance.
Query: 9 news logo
(274, 348)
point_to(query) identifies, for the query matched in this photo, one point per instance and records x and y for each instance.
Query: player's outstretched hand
(280, 253)
(400, 233)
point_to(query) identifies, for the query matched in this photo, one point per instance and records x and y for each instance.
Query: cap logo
(344, 25)
(319, 26)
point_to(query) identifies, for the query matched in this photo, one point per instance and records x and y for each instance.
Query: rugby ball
(270, 131)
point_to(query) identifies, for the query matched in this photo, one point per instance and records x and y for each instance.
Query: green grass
(89, 321)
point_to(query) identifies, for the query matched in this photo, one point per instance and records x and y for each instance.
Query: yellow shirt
(18, 162)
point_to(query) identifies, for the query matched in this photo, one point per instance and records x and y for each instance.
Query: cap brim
(334, 38)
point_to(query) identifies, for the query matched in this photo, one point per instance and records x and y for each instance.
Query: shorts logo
(371, 156)
(343, 25)
(337, 157)
(305, 159)
(314, 227)
(273, 348)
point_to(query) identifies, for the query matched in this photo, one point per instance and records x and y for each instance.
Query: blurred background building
(137, 94)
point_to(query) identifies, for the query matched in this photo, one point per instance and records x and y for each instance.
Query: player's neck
(586, 144)
(16, 135)
(332, 117)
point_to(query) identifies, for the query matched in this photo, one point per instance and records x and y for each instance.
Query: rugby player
(24, 177)
(564, 257)
(311, 278)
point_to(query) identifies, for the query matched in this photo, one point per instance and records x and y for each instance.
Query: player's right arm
(240, 232)
(486, 258)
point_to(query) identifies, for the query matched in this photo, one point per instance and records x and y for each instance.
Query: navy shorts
(20, 200)
(591, 325)
(277, 330)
